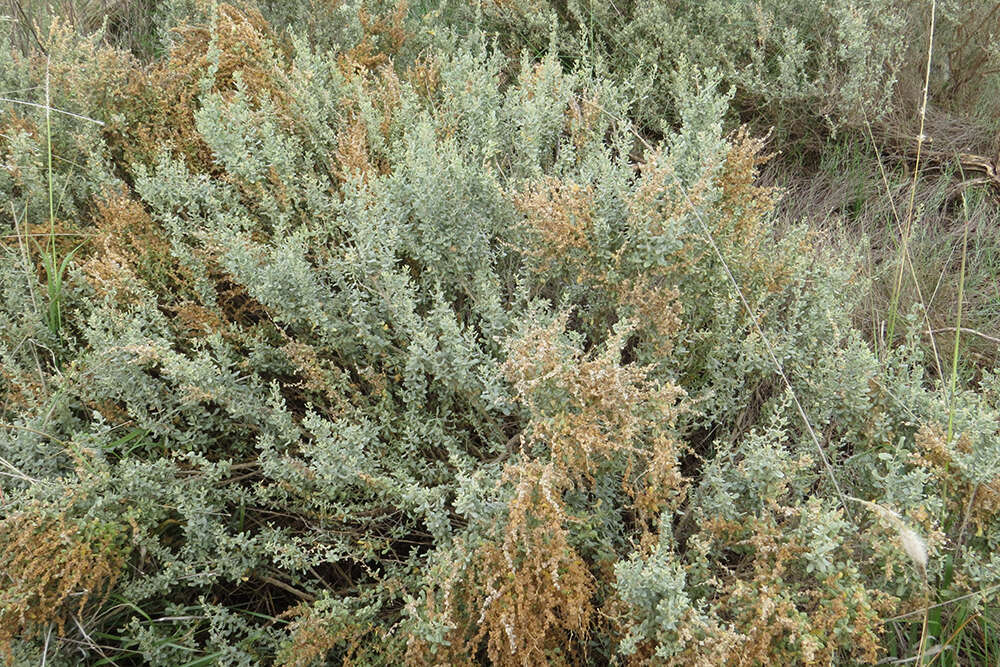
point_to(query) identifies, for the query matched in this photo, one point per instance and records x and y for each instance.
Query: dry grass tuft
(128, 23)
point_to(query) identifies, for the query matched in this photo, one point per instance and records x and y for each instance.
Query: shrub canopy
(371, 333)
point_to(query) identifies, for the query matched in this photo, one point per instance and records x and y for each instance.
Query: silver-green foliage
(339, 427)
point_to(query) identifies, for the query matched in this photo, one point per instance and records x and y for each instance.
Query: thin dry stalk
(906, 252)
(958, 322)
(921, 138)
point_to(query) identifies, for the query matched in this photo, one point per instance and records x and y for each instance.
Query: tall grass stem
(958, 322)
(908, 224)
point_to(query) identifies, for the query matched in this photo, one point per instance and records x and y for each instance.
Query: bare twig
(302, 595)
(967, 330)
(918, 612)
(36, 432)
(46, 107)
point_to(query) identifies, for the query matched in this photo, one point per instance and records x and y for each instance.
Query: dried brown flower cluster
(536, 604)
(532, 591)
(313, 636)
(53, 567)
(972, 504)
(162, 101)
(780, 622)
(562, 242)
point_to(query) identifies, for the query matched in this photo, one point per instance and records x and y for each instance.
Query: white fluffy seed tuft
(914, 546)
(912, 543)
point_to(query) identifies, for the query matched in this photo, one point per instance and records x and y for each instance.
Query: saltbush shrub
(388, 340)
